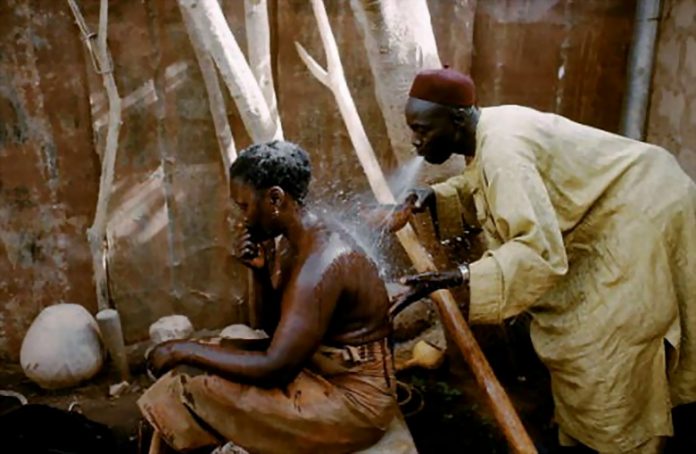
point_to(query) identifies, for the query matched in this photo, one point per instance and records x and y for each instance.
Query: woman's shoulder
(338, 248)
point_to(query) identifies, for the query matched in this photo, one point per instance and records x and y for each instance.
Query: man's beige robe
(594, 235)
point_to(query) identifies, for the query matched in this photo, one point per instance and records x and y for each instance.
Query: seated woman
(325, 382)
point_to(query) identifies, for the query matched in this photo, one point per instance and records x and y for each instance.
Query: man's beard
(440, 150)
(437, 158)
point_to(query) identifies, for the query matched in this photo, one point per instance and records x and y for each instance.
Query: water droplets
(341, 207)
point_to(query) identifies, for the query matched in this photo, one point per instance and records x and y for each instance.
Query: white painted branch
(315, 68)
(96, 233)
(259, 49)
(421, 31)
(333, 59)
(336, 82)
(210, 24)
(400, 42)
(450, 314)
(215, 99)
(206, 21)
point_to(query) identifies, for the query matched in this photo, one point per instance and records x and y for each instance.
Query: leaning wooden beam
(209, 22)
(259, 49)
(333, 77)
(216, 101)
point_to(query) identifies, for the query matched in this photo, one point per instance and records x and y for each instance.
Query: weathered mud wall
(48, 168)
(672, 118)
(168, 225)
(168, 234)
(561, 56)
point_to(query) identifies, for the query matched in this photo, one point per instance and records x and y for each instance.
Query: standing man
(591, 233)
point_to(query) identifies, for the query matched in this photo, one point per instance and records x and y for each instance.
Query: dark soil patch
(120, 414)
(446, 413)
(455, 417)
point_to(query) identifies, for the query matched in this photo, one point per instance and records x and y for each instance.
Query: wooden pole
(112, 334)
(108, 318)
(155, 443)
(334, 78)
(101, 60)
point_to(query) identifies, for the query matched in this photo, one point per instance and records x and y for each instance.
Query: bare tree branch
(259, 50)
(315, 68)
(210, 24)
(336, 82)
(215, 99)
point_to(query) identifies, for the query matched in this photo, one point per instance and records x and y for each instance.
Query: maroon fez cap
(444, 86)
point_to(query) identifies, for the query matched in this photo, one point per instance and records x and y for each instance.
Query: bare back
(344, 280)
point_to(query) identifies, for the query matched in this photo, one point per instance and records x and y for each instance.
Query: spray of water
(405, 177)
(343, 210)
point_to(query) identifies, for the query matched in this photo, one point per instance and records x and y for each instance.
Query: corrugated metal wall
(168, 227)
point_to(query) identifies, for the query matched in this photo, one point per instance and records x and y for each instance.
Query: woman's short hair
(276, 163)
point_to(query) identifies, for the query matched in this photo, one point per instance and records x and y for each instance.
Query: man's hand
(420, 199)
(165, 356)
(388, 217)
(422, 285)
(394, 217)
(248, 252)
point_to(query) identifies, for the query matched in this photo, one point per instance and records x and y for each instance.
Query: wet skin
(317, 288)
(438, 132)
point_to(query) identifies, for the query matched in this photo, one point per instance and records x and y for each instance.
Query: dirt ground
(446, 412)
(120, 414)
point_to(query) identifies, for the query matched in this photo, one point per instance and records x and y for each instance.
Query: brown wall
(561, 56)
(672, 119)
(168, 236)
(48, 168)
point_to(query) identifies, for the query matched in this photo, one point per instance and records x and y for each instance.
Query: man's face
(255, 210)
(434, 131)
